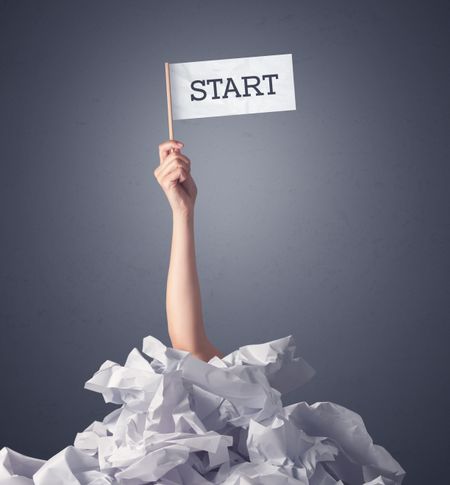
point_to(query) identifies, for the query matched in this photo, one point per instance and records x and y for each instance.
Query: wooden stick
(169, 100)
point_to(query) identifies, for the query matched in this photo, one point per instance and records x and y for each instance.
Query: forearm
(183, 298)
(183, 301)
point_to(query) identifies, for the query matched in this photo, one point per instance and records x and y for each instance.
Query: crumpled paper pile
(185, 421)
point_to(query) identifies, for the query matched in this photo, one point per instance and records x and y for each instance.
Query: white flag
(232, 86)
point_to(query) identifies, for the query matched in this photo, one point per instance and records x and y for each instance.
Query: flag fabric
(237, 86)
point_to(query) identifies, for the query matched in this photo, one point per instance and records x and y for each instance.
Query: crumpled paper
(181, 420)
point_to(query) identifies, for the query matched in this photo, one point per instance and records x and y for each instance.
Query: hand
(174, 176)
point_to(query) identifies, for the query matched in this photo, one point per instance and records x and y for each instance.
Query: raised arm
(183, 300)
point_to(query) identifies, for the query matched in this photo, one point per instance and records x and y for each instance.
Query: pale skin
(185, 323)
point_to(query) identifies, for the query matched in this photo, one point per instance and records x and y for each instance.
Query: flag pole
(169, 100)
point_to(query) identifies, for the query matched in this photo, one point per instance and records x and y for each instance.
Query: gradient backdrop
(330, 223)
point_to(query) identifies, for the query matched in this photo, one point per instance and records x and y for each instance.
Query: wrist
(183, 215)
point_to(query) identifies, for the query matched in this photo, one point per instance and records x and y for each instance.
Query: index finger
(166, 146)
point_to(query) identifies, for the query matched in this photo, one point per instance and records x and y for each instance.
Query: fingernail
(180, 143)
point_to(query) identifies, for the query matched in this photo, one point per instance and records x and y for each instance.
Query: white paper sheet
(181, 420)
(224, 87)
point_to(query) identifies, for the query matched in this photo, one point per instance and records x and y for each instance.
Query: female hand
(174, 176)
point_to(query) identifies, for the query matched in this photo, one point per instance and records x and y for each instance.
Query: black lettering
(232, 89)
(193, 98)
(214, 81)
(247, 85)
(270, 76)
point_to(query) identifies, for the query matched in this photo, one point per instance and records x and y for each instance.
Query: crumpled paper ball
(181, 420)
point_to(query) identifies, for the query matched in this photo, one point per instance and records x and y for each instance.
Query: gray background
(329, 223)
